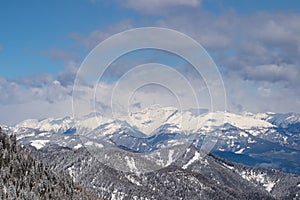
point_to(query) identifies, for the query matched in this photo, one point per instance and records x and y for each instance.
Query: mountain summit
(264, 139)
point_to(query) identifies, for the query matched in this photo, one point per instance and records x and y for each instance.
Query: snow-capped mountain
(265, 139)
(158, 153)
(150, 119)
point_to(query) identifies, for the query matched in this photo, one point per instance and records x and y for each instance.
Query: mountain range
(265, 139)
(167, 153)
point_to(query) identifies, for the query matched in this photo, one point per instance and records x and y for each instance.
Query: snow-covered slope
(266, 138)
(149, 120)
(153, 118)
(60, 125)
(281, 120)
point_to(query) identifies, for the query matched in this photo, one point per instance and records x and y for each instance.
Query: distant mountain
(265, 139)
(23, 177)
(158, 153)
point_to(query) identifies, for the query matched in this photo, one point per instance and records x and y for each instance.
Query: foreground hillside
(23, 177)
(190, 177)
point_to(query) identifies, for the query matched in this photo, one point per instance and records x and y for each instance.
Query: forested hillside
(23, 177)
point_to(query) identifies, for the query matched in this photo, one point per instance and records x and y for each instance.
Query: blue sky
(255, 43)
(31, 27)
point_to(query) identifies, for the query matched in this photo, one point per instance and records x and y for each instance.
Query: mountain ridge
(267, 139)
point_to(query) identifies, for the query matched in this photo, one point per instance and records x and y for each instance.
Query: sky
(255, 45)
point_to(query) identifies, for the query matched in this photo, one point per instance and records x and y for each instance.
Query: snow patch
(131, 164)
(170, 160)
(228, 166)
(38, 144)
(197, 156)
(243, 134)
(20, 136)
(94, 144)
(132, 180)
(240, 151)
(259, 178)
(78, 146)
(269, 186)
(71, 171)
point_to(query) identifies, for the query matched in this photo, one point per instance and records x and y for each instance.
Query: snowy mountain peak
(281, 120)
(157, 128)
(150, 120)
(174, 120)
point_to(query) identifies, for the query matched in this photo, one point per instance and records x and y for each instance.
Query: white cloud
(34, 109)
(95, 37)
(158, 6)
(273, 73)
(142, 88)
(67, 76)
(19, 101)
(245, 95)
(259, 54)
(276, 29)
(268, 42)
(37, 96)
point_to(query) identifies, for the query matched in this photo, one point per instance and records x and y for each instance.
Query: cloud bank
(257, 54)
